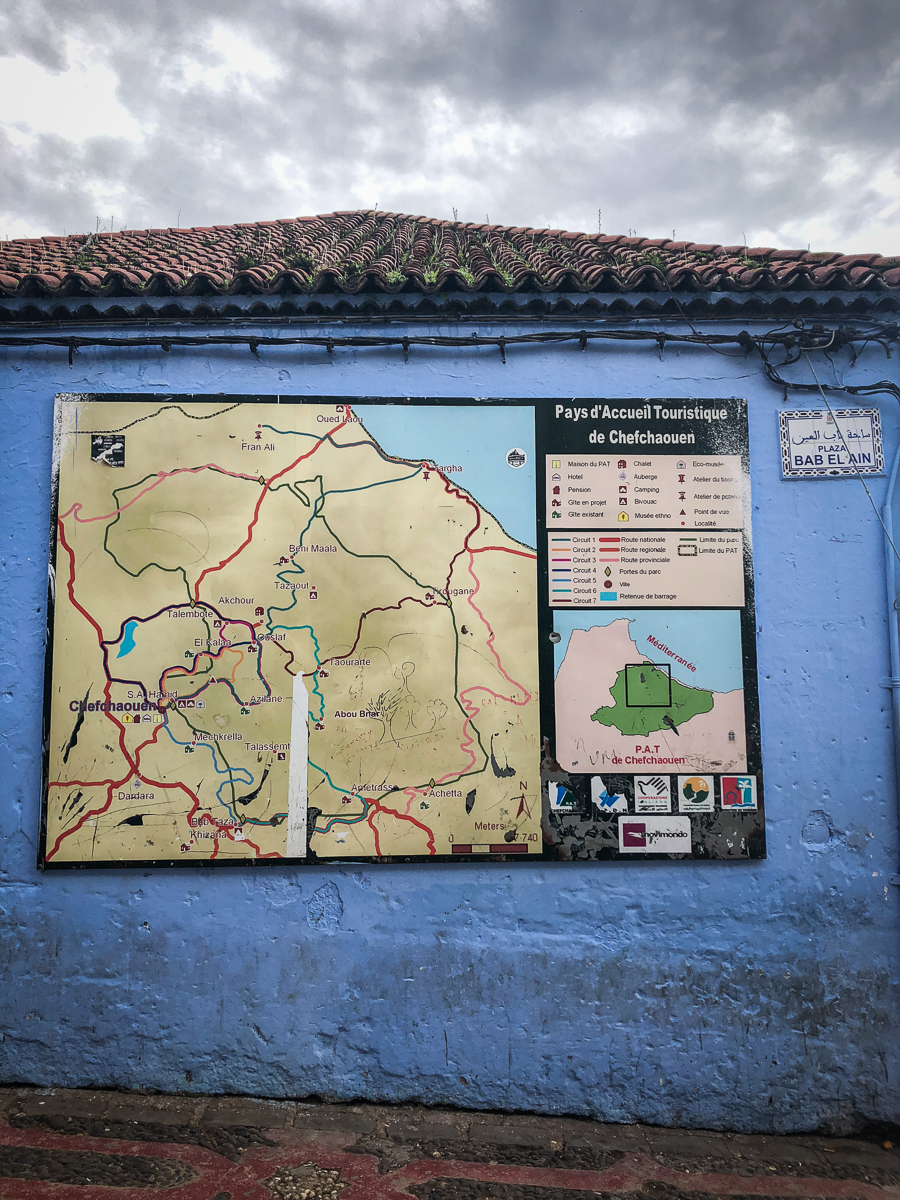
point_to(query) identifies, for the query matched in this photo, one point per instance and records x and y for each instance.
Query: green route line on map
(377, 483)
(169, 570)
(466, 716)
(337, 818)
(216, 749)
(271, 628)
(292, 489)
(229, 770)
(317, 506)
(135, 575)
(316, 691)
(216, 657)
(353, 554)
(450, 608)
(341, 491)
(319, 503)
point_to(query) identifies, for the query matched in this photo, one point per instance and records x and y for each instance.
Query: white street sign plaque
(818, 444)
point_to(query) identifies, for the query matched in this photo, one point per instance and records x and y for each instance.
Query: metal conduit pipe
(893, 618)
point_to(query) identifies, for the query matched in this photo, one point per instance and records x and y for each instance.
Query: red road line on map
(212, 656)
(164, 678)
(502, 549)
(70, 583)
(94, 812)
(136, 770)
(369, 816)
(472, 710)
(451, 490)
(162, 476)
(70, 587)
(490, 643)
(82, 783)
(374, 807)
(259, 854)
(266, 488)
(111, 782)
(134, 763)
(205, 816)
(378, 807)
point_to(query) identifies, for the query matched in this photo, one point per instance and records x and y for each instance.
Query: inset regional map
(273, 635)
(641, 689)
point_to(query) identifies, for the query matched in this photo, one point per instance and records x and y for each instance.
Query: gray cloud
(722, 119)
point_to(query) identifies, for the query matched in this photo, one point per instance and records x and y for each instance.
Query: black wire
(821, 339)
(883, 386)
(795, 342)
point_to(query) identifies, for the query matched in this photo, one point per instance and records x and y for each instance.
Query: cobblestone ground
(63, 1145)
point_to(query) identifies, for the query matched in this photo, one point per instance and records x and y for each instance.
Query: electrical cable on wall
(795, 342)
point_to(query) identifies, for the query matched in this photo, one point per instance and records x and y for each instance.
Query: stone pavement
(80, 1145)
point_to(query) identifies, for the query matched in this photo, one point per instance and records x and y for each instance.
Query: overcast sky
(770, 122)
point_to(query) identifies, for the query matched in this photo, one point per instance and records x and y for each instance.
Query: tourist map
(291, 630)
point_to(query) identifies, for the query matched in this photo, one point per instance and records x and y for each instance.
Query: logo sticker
(604, 800)
(695, 793)
(517, 457)
(562, 799)
(654, 835)
(739, 792)
(652, 794)
(108, 449)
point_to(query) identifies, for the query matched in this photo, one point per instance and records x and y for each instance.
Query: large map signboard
(648, 631)
(307, 629)
(292, 630)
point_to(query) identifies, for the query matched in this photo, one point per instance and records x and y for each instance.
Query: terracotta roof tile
(363, 250)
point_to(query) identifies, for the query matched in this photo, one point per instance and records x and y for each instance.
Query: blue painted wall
(748, 996)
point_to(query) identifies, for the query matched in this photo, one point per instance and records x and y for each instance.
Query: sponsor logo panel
(606, 799)
(562, 798)
(739, 793)
(654, 835)
(652, 794)
(696, 794)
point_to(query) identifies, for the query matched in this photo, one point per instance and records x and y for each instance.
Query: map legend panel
(644, 569)
(648, 631)
(603, 491)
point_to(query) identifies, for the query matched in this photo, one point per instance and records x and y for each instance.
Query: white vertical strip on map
(297, 774)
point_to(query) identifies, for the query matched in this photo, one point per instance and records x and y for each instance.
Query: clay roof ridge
(361, 249)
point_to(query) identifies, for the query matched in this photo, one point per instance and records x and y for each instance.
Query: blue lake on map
(708, 638)
(472, 437)
(127, 639)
